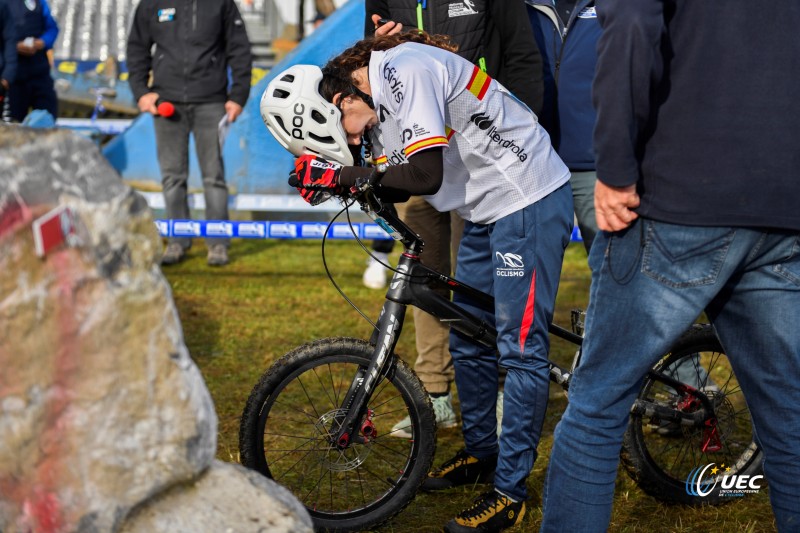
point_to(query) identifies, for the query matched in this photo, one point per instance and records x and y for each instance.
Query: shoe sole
(432, 484)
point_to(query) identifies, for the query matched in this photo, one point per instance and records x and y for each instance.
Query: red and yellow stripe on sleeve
(381, 160)
(424, 143)
(479, 83)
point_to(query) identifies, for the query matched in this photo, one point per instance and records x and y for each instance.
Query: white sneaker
(442, 410)
(375, 274)
(498, 412)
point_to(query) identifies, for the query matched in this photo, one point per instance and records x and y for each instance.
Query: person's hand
(313, 170)
(390, 28)
(29, 46)
(613, 206)
(233, 110)
(147, 103)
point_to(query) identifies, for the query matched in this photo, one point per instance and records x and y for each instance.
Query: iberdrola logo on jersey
(485, 123)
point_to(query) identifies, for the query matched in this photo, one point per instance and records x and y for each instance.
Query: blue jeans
(649, 283)
(518, 260)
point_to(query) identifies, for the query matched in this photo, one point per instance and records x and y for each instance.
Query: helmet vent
(289, 78)
(322, 140)
(318, 117)
(280, 93)
(279, 120)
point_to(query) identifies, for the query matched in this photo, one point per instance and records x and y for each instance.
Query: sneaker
(375, 274)
(442, 409)
(490, 513)
(174, 253)
(463, 469)
(498, 412)
(217, 255)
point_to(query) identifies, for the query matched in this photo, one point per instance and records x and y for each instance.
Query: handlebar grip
(294, 182)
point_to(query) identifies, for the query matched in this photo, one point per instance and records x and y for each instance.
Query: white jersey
(497, 158)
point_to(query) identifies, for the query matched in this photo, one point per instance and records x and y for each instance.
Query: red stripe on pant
(527, 317)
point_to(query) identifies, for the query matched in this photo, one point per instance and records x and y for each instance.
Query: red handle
(166, 109)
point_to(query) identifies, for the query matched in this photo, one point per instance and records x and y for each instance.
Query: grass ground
(274, 296)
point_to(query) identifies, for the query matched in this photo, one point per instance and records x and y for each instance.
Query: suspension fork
(388, 329)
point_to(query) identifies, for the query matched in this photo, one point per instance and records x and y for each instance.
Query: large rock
(101, 407)
(227, 497)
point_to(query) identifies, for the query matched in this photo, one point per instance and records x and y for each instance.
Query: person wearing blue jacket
(697, 200)
(567, 32)
(8, 51)
(35, 33)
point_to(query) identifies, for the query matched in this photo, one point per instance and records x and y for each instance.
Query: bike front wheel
(290, 420)
(668, 460)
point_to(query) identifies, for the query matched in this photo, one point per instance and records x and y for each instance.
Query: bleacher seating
(95, 30)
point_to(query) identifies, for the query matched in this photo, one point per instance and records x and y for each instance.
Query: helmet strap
(364, 96)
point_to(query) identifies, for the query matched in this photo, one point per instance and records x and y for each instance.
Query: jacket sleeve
(628, 63)
(50, 27)
(139, 60)
(9, 70)
(521, 62)
(373, 7)
(237, 54)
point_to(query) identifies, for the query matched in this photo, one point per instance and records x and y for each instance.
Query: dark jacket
(8, 45)
(39, 24)
(709, 135)
(195, 43)
(569, 51)
(495, 30)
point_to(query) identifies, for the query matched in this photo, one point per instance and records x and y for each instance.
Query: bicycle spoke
(389, 448)
(297, 409)
(291, 468)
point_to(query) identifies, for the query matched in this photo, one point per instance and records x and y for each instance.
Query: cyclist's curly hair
(337, 74)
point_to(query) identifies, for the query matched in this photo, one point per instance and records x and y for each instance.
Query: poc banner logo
(702, 481)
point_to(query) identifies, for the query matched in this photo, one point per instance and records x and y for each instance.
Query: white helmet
(297, 115)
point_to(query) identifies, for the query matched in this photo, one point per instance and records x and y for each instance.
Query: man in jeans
(189, 47)
(697, 199)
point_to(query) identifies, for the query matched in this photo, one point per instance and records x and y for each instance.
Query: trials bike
(319, 420)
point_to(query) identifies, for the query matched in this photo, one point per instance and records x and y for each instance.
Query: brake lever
(366, 183)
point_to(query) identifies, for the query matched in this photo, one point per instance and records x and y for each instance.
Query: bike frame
(415, 284)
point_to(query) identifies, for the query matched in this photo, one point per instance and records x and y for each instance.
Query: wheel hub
(334, 458)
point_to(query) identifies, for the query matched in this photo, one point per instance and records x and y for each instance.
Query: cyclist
(450, 133)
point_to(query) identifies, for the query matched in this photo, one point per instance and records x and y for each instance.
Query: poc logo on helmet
(702, 481)
(297, 121)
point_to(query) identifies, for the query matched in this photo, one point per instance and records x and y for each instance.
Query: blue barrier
(277, 230)
(269, 230)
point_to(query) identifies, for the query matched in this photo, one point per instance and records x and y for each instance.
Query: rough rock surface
(228, 497)
(101, 406)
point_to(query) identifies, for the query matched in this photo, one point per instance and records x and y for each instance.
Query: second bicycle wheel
(664, 457)
(291, 415)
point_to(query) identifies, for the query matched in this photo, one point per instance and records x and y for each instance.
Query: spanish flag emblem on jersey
(479, 83)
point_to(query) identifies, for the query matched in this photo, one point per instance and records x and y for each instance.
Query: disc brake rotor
(333, 458)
